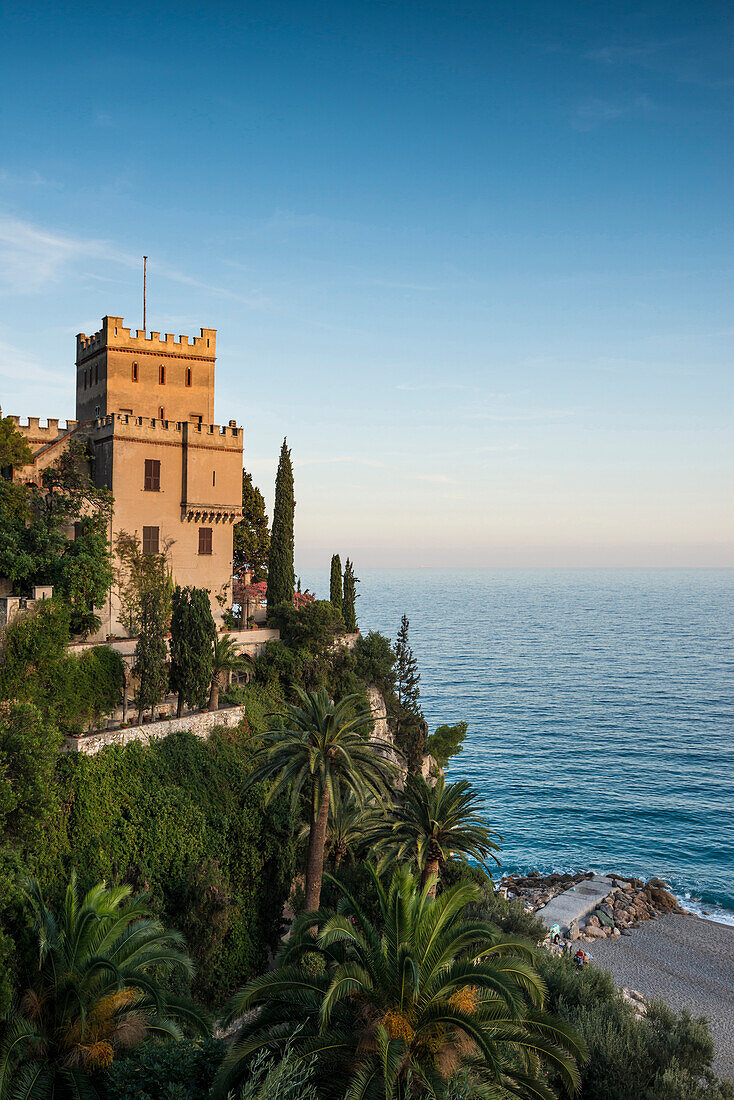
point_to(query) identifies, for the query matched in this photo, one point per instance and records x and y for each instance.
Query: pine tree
(350, 595)
(281, 574)
(192, 635)
(406, 668)
(251, 542)
(335, 588)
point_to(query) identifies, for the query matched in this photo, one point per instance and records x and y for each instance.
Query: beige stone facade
(146, 403)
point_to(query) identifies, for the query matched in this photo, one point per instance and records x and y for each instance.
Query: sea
(600, 711)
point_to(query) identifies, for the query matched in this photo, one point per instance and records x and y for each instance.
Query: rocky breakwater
(628, 902)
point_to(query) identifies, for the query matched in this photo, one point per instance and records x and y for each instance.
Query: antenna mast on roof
(145, 280)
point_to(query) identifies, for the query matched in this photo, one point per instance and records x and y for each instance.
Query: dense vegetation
(34, 522)
(142, 888)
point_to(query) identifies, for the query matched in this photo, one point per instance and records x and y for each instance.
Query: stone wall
(200, 725)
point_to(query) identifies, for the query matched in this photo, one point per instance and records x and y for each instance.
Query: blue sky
(473, 259)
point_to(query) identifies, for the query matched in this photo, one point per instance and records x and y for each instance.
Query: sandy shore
(686, 960)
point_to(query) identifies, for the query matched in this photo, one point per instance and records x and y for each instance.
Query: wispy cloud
(17, 364)
(341, 459)
(32, 257)
(511, 416)
(673, 57)
(431, 386)
(593, 113)
(437, 479)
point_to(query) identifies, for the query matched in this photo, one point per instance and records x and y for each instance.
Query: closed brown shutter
(205, 540)
(150, 540)
(152, 475)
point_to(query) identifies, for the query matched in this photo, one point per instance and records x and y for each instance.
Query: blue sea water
(600, 706)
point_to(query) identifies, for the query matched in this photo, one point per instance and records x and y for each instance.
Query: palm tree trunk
(315, 861)
(338, 853)
(214, 693)
(431, 868)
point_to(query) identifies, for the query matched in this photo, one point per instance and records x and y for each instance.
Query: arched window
(162, 375)
(161, 413)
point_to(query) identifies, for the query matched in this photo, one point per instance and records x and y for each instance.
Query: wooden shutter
(150, 540)
(205, 540)
(152, 475)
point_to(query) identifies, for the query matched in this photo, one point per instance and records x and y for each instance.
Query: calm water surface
(600, 710)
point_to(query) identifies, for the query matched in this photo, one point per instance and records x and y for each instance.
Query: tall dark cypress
(406, 669)
(335, 587)
(350, 595)
(281, 573)
(192, 636)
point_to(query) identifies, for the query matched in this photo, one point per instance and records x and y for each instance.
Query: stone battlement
(228, 437)
(31, 427)
(114, 334)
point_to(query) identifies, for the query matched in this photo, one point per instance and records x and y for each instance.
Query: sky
(473, 259)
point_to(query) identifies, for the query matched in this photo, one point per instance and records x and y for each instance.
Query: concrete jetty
(576, 903)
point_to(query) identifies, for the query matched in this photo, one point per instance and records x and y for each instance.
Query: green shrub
(374, 662)
(313, 626)
(666, 1056)
(166, 1071)
(171, 817)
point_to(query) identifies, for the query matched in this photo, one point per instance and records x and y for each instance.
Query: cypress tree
(335, 587)
(150, 651)
(406, 668)
(192, 637)
(281, 573)
(350, 595)
(251, 537)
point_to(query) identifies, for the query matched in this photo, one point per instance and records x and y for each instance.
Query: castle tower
(145, 375)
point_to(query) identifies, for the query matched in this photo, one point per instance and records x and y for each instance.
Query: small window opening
(161, 413)
(205, 540)
(214, 477)
(152, 483)
(150, 540)
(135, 372)
(85, 379)
(96, 374)
(188, 376)
(162, 375)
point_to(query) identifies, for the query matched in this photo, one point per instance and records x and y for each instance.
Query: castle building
(146, 405)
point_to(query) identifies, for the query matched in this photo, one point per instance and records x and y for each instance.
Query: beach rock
(658, 882)
(595, 933)
(592, 922)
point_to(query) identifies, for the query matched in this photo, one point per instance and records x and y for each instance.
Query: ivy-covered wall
(172, 818)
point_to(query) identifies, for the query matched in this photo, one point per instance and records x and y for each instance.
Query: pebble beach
(688, 962)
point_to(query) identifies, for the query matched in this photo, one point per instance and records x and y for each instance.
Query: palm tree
(227, 658)
(96, 989)
(401, 1009)
(434, 824)
(346, 829)
(322, 748)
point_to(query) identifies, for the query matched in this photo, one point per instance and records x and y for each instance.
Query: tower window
(135, 372)
(150, 540)
(85, 379)
(162, 375)
(96, 373)
(161, 413)
(214, 477)
(188, 376)
(205, 540)
(152, 483)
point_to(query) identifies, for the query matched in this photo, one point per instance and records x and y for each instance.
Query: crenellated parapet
(113, 334)
(227, 437)
(32, 428)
